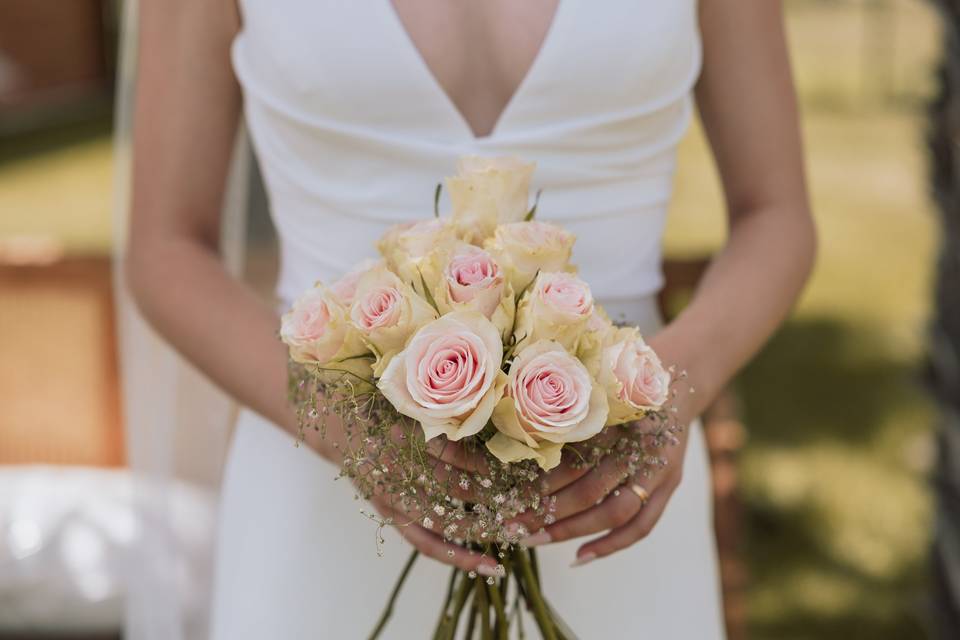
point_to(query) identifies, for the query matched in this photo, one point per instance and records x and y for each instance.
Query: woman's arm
(748, 106)
(187, 110)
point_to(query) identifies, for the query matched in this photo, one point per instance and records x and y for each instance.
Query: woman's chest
(383, 63)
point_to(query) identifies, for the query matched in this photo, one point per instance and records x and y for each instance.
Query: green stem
(518, 610)
(496, 599)
(472, 620)
(563, 629)
(532, 588)
(535, 563)
(446, 604)
(388, 611)
(497, 593)
(449, 626)
(484, 606)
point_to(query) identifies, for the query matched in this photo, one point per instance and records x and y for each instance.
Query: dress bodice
(353, 132)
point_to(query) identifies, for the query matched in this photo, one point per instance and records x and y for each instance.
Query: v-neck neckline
(424, 69)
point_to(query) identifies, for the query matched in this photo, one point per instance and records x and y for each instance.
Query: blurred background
(824, 449)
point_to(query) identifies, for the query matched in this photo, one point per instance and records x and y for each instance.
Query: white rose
(487, 192)
(407, 247)
(524, 248)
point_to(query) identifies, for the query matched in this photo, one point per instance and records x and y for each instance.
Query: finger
(635, 530)
(568, 472)
(433, 546)
(578, 460)
(458, 484)
(464, 528)
(617, 509)
(458, 455)
(451, 479)
(578, 496)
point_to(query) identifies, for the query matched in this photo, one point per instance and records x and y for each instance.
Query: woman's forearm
(216, 322)
(746, 293)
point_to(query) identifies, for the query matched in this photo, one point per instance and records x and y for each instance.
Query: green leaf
(362, 356)
(527, 287)
(427, 294)
(533, 209)
(436, 200)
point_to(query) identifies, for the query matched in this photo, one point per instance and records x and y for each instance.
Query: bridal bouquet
(475, 329)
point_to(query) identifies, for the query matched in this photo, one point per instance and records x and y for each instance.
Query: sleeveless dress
(352, 133)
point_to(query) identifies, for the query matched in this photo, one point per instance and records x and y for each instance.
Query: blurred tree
(944, 370)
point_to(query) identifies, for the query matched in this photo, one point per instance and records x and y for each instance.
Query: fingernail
(536, 539)
(584, 559)
(487, 571)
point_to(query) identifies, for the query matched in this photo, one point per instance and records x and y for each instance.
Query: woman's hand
(605, 499)
(445, 458)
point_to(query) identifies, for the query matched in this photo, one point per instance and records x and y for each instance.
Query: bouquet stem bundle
(487, 602)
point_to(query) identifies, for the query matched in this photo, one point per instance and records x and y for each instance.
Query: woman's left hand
(603, 499)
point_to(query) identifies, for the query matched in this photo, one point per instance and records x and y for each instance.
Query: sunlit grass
(59, 192)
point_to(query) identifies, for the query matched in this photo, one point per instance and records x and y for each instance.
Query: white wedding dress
(352, 132)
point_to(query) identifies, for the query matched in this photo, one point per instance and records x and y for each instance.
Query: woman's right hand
(409, 525)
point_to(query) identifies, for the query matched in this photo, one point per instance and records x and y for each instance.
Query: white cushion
(65, 537)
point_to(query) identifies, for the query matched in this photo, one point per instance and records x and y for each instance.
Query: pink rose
(566, 295)
(346, 287)
(472, 275)
(557, 307)
(550, 399)
(448, 377)
(635, 380)
(379, 308)
(316, 329)
(386, 312)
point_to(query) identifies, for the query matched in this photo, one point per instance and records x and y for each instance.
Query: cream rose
(387, 312)
(524, 248)
(550, 399)
(407, 247)
(448, 377)
(346, 287)
(317, 331)
(598, 333)
(558, 307)
(635, 380)
(472, 279)
(487, 192)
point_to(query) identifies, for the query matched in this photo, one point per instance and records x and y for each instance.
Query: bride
(355, 110)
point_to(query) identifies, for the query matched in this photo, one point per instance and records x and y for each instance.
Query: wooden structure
(56, 60)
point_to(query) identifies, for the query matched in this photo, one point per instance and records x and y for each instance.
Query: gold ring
(642, 493)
